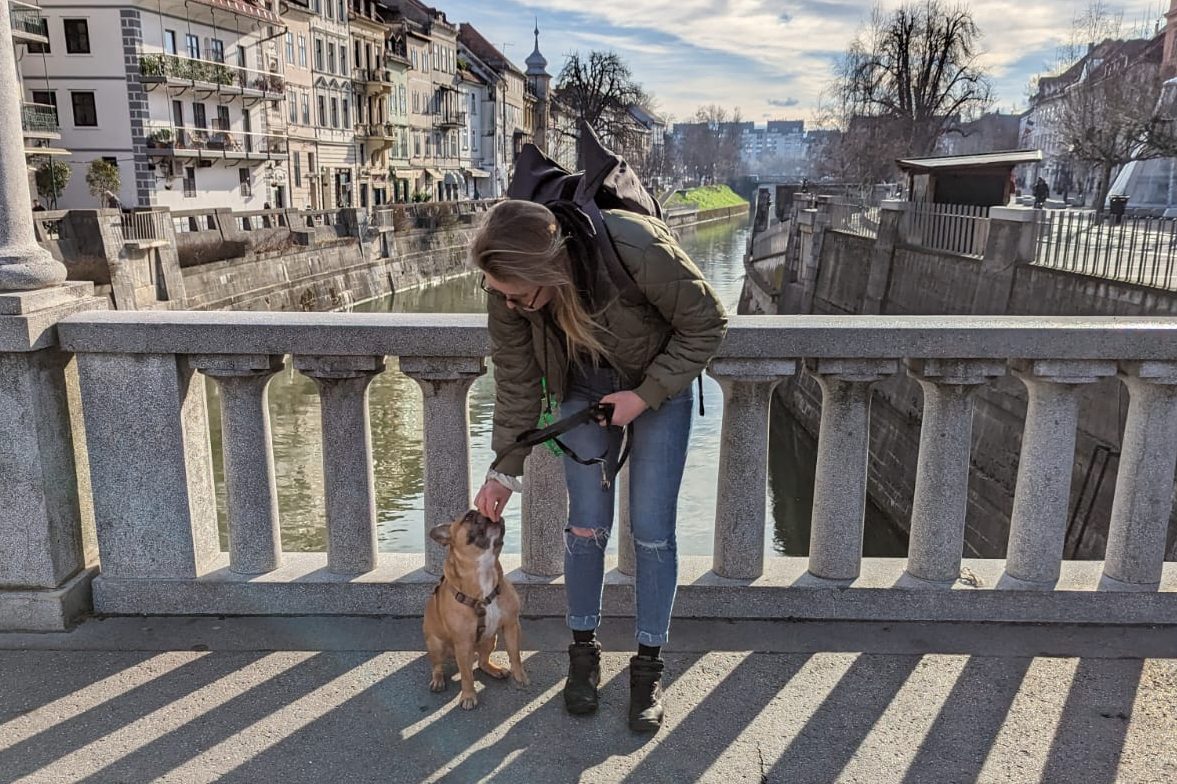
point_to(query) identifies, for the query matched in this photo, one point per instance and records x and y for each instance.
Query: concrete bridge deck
(345, 700)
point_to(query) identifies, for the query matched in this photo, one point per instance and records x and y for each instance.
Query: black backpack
(607, 183)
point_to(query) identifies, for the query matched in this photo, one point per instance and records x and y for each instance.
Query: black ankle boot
(584, 675)
(645, 694)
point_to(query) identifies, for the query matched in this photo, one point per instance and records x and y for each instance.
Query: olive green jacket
(658, 348)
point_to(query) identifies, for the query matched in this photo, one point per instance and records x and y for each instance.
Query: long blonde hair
(521, 242)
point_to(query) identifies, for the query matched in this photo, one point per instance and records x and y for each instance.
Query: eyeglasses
(519, 302)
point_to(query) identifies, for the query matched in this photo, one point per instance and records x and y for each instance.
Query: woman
(560, 328)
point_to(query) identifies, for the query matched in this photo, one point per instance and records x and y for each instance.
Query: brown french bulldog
(472, 605)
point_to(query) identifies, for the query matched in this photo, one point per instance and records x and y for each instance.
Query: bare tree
(599, 89)
(1113, 114)
(709, 144)
(910, 77)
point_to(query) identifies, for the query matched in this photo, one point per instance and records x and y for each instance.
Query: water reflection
(396, 410)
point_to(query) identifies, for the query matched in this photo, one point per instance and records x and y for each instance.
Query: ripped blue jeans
(656, 461)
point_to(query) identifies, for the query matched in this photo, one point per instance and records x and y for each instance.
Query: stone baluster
(1144, 482)
(445, 383)
(1038, 522)
(942, 474)
(347, 457)
(255, 542)
(545, 513)
(150, 465)
(743, 462)
(839, 491)
(24, 265)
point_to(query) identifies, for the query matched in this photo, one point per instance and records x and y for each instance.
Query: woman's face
(519, 296)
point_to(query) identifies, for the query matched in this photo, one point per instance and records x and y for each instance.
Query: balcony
(374, 80)
(28, 25)
(207, 75)
(40, 120)
(216, 143)
(450, 118)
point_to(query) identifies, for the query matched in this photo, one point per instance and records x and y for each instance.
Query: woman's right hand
(492, 500)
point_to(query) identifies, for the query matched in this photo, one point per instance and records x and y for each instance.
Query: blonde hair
(521, 242)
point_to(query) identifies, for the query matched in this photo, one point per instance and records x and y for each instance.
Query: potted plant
(160, 138)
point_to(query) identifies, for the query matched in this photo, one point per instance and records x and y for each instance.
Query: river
(395, 405)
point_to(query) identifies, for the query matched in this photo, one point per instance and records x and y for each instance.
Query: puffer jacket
(658, 347)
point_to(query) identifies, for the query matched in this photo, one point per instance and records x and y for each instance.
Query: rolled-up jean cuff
(645, 638)
(583, 623)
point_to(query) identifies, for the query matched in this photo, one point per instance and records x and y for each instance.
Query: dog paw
(468, 701)
(521, 679)
(494, 671)
(437, 683)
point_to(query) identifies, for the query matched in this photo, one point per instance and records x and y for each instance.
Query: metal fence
(1134, 250)
(952, 228)
(857, 219)
(145, 226)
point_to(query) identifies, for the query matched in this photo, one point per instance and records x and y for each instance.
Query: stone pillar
(24, 265)
(150, 465)
(1144, 483)
(942, 475)
(743, 462)
(1011, 243)
(545, 513)
(1038, 522)
(445, 383)
(44, 580)
(347, 457)
(255, 541)
(891, 214)
(813, 231)
(843, 449)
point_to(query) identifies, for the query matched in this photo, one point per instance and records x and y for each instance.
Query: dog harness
(479, 605)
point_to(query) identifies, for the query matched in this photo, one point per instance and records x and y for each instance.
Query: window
(46, 98)
(306, 109)
(331, 57)
(169, 41)
(290, 48)
(293, 100)
(199, 119)
(178, 114)
(334, 112)
(77, 36)
(297, 170)
(330, 9)
(37, 47)
(404, 109)
(192, 43)
(189, 182)
(85, 113)
(414, 59)
(317, 5)
(322, 112)
(246, 183)
(222, 118)
(346, 114)
(310, 163)
(342, 13)
(342, 60)
(417, 144)
(302, 51)
(218, 50)
(318, 54)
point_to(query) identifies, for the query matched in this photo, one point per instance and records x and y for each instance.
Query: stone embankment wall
(804, 267)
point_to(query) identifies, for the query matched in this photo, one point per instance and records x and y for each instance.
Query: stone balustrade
(141, 378)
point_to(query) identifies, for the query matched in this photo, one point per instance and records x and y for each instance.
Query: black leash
(596, 412)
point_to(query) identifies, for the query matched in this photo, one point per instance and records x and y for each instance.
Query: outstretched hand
(627, 406)
(492, 500)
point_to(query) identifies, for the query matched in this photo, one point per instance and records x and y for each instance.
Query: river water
(396, 410)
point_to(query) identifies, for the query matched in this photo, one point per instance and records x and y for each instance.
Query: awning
(434, 173)
(477, 173)
(453, 178)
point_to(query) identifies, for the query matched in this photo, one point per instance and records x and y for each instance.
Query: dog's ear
(441, 534)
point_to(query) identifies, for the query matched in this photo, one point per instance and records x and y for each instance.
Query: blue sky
(769, 58)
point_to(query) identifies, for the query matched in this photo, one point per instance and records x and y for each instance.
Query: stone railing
(146, 225)
(142, 378)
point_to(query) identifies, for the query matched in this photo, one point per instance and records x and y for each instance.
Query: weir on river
(395, 410)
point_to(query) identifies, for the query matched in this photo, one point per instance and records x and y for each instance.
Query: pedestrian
(266, 206)
(1041, 192)
(564, 332)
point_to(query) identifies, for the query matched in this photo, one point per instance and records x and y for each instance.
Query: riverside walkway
(345, 699)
